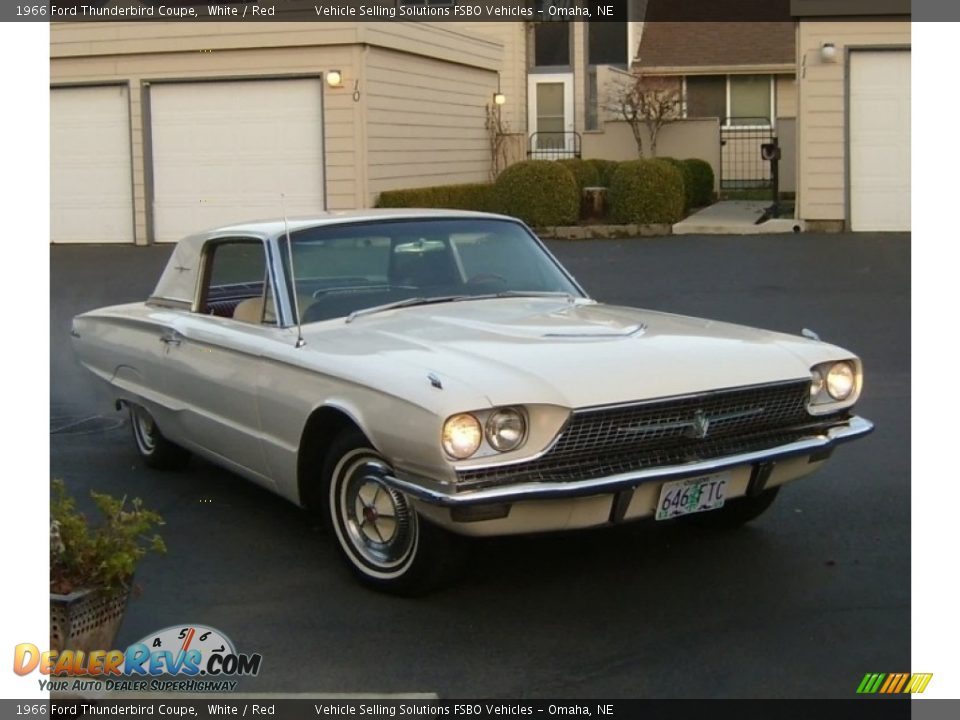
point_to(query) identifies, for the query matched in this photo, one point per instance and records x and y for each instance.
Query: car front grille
(598, 442)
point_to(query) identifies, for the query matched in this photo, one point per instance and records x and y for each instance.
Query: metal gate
(554, 145)
(741, 163)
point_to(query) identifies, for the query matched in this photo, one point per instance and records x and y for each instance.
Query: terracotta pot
(86, 619)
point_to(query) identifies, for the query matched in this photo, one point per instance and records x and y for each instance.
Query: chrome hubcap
(378, 522)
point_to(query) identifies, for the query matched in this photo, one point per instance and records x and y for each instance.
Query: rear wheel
(736, 512)
(154, 449)
(379, 534)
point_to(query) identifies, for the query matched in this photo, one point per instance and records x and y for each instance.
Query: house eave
(757, 69)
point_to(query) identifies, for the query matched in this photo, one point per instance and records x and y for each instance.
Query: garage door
(880, 140)
(224, 152)
(91, 195)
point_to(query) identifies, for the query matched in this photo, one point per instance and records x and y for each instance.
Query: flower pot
(86, 619)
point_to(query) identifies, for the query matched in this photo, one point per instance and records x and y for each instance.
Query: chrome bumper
(856, 427)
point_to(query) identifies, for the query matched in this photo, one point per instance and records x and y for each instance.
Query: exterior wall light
(828, 52)
(335, 78)
(499, 98)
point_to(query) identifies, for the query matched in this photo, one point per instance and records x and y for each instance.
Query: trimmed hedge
(539, 192)
(605, 169)
(469, 196)
(688, 180)
(701, 180)
(646, 191)
(584, 173)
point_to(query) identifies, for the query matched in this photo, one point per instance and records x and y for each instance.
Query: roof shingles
(710, 44)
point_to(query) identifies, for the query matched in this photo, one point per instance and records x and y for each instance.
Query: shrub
(584, 173)
(688, 180)
(605, 169)
(539, 192)
(102, 557)
(646, 191)
(469, 196)
(701, 180)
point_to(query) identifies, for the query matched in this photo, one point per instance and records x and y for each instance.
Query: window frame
(625, 64)
(207, 260)
(724, 121)
(532, 66)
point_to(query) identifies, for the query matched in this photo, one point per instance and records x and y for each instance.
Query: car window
(237, 282)
(344, 261)
(495, 257)
(340, 269)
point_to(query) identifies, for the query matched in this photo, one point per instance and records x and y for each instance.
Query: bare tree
(497, 131)
(646, 104)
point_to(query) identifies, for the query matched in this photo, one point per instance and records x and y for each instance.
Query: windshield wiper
(532, 293)
(411, 302)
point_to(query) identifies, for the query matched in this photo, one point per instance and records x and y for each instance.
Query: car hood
(573, 353)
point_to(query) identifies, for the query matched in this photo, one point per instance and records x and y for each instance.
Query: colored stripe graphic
(918, 683)
(874, 684)
(893, 683)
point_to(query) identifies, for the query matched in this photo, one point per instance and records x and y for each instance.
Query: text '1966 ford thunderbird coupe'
(419, 376)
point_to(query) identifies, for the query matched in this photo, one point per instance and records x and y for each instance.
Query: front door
(214, 357)
(550, 113)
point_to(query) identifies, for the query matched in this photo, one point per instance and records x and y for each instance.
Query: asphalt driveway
(801, 603)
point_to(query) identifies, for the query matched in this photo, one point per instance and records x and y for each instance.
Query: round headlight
(462, 436)
(816, 384)
(505, 429)
(840, 380)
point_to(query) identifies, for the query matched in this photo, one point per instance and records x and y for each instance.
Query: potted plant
(92, 566)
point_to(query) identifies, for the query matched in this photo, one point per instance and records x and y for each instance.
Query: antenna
(293, 280)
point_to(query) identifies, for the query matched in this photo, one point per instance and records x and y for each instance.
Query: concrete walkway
(735, 217)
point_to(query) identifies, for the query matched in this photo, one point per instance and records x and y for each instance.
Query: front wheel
(154, 449)
(378, 532)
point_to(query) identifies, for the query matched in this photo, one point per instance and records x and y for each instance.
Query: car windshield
(346, 270)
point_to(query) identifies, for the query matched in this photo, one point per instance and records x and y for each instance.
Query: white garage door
(880, 140)
(224, 152)
(91, 194)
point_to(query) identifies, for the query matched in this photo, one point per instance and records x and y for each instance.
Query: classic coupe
(420, 376)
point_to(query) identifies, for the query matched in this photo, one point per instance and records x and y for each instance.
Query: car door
(214, 361)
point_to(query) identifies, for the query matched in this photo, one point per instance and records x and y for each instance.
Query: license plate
(683, 497)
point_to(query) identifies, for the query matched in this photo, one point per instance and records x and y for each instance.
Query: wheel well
(323, 425)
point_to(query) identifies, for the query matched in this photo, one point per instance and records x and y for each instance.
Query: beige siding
(439, 40)
(786, 89)
(443, 41)
(425, 122)
(73, 39)
(821, 113)
(578, 56)
(512, 37)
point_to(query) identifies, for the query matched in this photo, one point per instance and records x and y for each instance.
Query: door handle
(171, 338)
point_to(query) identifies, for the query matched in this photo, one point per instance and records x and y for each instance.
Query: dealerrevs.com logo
(202, 658)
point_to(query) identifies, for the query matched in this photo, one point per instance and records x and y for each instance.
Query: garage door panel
(224, 152)
(880, 140)
(91, 194)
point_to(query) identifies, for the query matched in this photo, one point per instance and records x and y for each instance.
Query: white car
(417, 376)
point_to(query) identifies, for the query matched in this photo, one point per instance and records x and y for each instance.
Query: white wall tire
(152, 447)
(378, 533)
